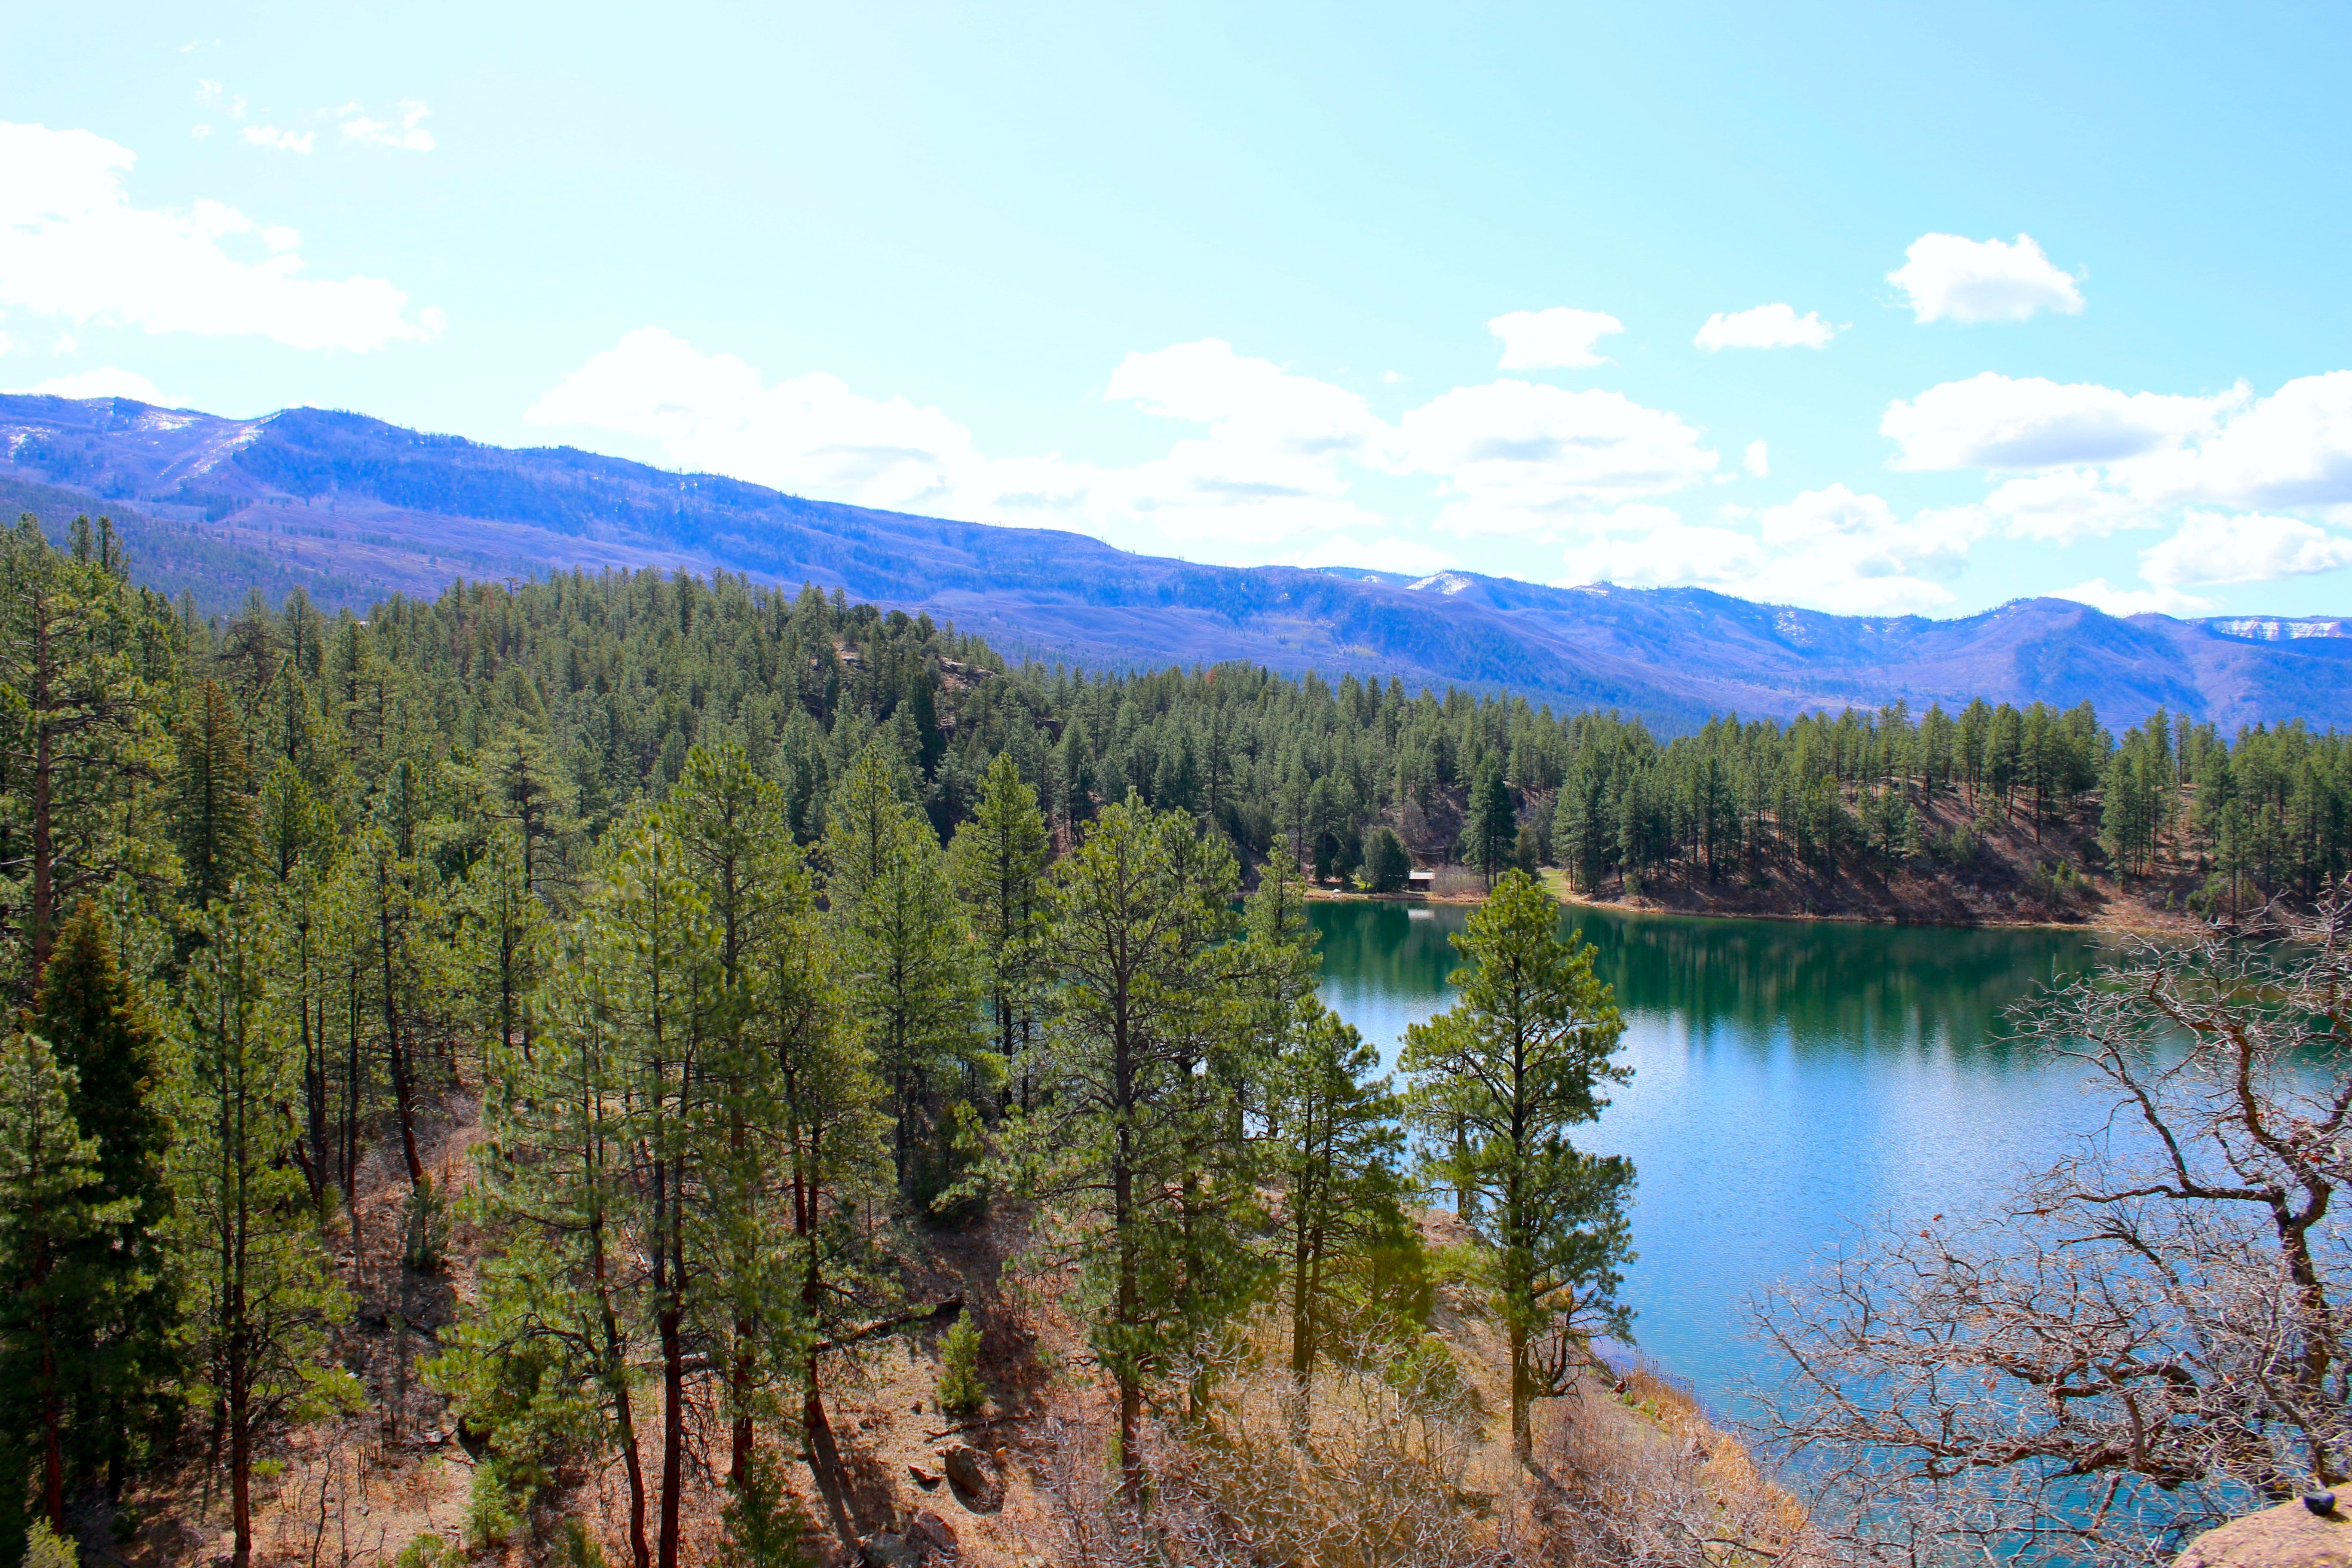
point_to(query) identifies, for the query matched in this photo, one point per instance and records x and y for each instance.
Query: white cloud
(1828, 549)
(1994, 421)
(2063, 506)
(1758, 459)
(1557, 339)
(1677, 557)
(1273, 457)
(107, 382)
(200, 131)
(408, 132)
(1410, 557)
(4, 344)
(1764, 326)
(1520, 458)
(284, 141)
(2100, 595)
(72, 244)
(2291, 449)
(2218, 547)
(811, 436)
(1267, 467)
(1949, 277)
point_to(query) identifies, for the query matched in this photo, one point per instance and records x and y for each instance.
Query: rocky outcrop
(2291, 1535)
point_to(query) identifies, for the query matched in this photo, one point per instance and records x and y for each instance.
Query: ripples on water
(1793, 1082)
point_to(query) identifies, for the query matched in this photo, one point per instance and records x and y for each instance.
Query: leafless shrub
(2147, 1337)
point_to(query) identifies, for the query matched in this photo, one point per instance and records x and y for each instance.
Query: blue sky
(2015, 299)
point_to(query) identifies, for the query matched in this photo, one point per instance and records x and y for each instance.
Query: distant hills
(354, 509)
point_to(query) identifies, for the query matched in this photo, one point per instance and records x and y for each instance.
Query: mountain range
(354, 509)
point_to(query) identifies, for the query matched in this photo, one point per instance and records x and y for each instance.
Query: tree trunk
(616, 1373)
(403, 1092)
(673, 1430)
(44, 897)
(1522, 1395)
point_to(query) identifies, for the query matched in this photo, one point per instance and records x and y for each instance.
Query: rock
(888, 1550)
(2288, 1536)
(924, 1479)
(973, 1478)
(932, 1531)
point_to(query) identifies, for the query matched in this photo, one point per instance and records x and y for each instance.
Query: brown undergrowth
(1390, 1460)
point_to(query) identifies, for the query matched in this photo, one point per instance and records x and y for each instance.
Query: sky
(1873, 308)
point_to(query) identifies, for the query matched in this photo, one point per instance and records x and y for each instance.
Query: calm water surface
(1793, 1082)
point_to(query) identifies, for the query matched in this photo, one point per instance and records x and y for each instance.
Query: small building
(1419, 881)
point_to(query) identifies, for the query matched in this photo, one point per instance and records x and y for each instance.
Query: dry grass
(1640, 1475)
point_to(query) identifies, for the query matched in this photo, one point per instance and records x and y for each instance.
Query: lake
(1793, 1082)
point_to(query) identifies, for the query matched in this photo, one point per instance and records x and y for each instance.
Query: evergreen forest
(673, 960)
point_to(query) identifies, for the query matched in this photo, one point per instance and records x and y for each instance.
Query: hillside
(355, 508)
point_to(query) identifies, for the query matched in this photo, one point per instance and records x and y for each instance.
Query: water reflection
(1793, 1081)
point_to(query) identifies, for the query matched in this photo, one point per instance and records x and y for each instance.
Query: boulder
(889, 1550)
(974, 1477)
(932, 1531)
(2290, 1535)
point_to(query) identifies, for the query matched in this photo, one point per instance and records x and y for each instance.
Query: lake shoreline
(2134, 919)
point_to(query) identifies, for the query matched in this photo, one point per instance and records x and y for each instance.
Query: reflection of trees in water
(1385, 948)
(1834, 985)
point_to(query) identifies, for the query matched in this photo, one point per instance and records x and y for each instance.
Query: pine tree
(548, 1354)
(46, 1221)
(998, 861)
(1490, 830)
(1498, 1081)
(1387, 866)
(1333, 1129)
(122, 1338)
(212, 807)
(504, 939)
(1140, 917)
(737, 852)
(907, 978)
(81, 738)
(262, 1292)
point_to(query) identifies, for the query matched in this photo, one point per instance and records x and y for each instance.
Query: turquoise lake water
(1794, 1082)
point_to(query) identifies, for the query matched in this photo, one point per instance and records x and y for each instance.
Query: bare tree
(2145, 1339)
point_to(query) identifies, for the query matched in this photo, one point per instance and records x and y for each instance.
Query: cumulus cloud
(1949, 277)
(1675, 556)
(107, 382)
(284, 141)
(1271, 454)
(2063, 506)
(1758, 459)
(2100, 595)
(1764, 326)
(1994, 421)
(1557, 339)
(405, 129)
(1409, 557)
(72, 244)
(1517, 457)
(1828, 549)
(812, 434)
(2291, 449)
(1266, 466)
(2213, 547)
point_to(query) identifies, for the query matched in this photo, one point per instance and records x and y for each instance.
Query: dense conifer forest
(750, 938)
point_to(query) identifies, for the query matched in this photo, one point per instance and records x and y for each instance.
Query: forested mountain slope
(355, 508)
